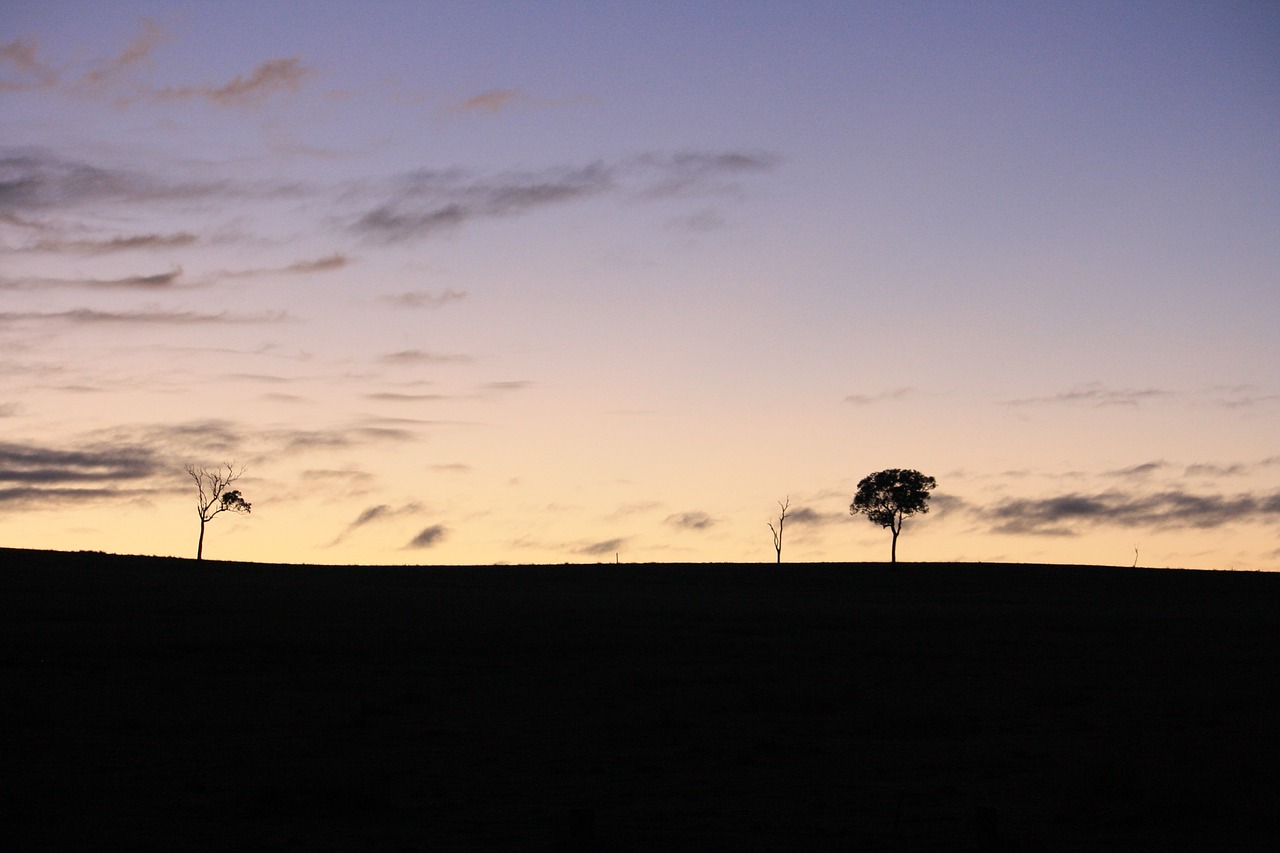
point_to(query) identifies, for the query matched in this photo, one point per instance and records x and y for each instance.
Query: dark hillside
(163, 703)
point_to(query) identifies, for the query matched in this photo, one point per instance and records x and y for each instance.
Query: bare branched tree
(216, 496)
(777, 531)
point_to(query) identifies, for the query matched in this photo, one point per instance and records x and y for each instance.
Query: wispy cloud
(307, 440)
(154, 316)
(421, 203)
(328, 263)
(371, 514)
(27, 497)
(268, 378)
(127, 243)
(114, 76)
(400, 397)
(1095, 394)
(599, 549)
(147, 459)
(428, 537)
(1171, 509)
(155, 281)
(380, 512)
(1241, 396)
(879, 397)
(424, 299)
(270, 78)
(43, 475)
(16, 221)
(344, 476)
(26, 463)
(24, 69)
(495, 101)
(398, 209)
(695, 520)
(513, 385)
(695, 173)
(35, 180)
(1141, 471)
(492, 101)
(27, 71)
(633, 508)
(134, 54)
(180, 440)
(420, 357)
(1211, 470)
(336, 261)
(810, 516)
(212, 438)
(424, 202)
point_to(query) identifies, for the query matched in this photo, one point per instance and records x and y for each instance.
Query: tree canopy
(888, 497)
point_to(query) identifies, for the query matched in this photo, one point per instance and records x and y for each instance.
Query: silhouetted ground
(159, 703)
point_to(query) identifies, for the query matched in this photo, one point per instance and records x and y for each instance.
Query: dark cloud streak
(696, 520)
(1097, 395)
(428, 537)
(155, 281)
(35, 180)
(133, 242)
(33, 464)
(1170, 509)
(380, 512)
(694, 173)
(809, 516)
(422, 203)
(30, 497)
(600, 549)
(45, 475)
(328, 263)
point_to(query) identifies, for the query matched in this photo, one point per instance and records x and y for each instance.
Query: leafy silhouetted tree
(887, 497)
(216, 496)
(777, 532)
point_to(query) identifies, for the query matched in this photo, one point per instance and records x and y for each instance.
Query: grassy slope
(164, 703)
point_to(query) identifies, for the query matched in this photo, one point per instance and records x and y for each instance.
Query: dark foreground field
(154, 703)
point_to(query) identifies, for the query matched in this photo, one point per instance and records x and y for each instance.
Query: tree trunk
(200, 544)
(893, 549)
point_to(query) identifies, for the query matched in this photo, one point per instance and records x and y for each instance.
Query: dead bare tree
(777, 532)
(216, 496)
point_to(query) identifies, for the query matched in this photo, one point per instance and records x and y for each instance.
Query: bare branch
(214, 495)
(777, 532)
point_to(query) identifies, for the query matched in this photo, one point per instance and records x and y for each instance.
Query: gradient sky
(547, 282)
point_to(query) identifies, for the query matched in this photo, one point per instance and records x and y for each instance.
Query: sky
(475, 283)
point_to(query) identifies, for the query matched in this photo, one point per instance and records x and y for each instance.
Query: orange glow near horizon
(482, 286)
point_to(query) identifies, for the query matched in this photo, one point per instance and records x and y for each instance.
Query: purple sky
(468, 282)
